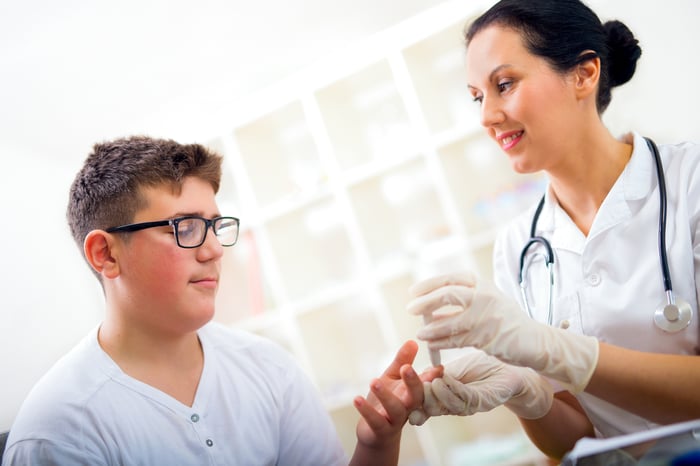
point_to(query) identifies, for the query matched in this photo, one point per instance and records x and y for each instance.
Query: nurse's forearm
(662, 388)
(557, 432)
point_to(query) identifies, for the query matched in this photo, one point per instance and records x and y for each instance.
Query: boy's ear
(99, 252)
(587, 75)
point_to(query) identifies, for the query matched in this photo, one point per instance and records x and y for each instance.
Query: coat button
(594, 279)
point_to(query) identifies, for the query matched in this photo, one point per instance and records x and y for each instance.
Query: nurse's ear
(101, 253)
(587, 74)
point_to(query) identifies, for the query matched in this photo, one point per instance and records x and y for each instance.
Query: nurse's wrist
(536, 398)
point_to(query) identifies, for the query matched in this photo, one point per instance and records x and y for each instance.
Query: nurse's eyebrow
(498, 69)
(491, 74)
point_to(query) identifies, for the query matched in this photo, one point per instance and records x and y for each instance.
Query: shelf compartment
(312, 248)
(345, 347)
(396, 297)
(280, 155)
(365, 117)
(398, 212)
(437, 68)
(244, 291)
(485, 188)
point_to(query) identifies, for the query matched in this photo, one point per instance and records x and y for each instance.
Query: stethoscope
(673, 315)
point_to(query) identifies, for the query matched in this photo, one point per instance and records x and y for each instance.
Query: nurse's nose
(491, 112)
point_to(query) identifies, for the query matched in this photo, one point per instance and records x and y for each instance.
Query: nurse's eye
(477, 98)
(504, 85)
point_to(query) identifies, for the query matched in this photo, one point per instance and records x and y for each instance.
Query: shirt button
(210, 442)
(195, 417)
(594, 279)
(564, 324)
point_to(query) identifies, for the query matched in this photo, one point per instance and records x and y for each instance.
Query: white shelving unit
(352, 180)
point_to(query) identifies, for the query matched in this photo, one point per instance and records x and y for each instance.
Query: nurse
(542, 72)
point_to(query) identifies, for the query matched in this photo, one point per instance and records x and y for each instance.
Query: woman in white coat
(542, 72)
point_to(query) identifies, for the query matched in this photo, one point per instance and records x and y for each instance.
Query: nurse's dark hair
(108, 189)
(560, 31)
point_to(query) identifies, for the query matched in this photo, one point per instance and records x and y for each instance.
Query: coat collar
(634, 183)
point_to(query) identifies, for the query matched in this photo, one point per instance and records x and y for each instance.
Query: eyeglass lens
(191, 232)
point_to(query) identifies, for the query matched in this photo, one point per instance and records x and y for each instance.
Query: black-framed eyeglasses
(191, 231)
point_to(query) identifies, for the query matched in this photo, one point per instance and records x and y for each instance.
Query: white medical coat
(608, 284)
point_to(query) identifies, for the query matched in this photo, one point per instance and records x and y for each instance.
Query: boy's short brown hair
(107, 191)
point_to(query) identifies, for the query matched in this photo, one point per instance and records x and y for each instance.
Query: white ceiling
(77, 71)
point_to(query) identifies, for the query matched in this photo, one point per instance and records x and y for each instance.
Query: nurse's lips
(509, 139)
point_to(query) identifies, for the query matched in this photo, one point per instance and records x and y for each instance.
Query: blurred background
(353, 156)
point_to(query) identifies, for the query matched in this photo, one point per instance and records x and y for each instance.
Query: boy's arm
(385, 410)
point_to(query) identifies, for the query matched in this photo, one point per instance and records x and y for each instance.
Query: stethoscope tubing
(549, 252)
(663, 199)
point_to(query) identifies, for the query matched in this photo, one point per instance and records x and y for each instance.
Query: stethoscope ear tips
(673, 317)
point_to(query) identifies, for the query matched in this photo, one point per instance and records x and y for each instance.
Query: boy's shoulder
(61, 394)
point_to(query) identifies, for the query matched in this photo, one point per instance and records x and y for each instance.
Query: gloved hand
(477, 382)
(464, 315)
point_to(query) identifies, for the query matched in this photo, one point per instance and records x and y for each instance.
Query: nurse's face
(529, 109)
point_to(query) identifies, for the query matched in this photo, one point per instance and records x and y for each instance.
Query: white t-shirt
(253, 406)
(608, 284)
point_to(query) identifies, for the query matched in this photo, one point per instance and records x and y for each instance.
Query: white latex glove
(464, 315)
(477, 382)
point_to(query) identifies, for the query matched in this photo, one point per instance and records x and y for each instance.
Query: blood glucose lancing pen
(434, 354)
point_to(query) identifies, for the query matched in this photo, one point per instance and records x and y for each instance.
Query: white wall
(662, 98)
(50, 299)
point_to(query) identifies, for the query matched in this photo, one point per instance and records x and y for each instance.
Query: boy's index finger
(405, 355)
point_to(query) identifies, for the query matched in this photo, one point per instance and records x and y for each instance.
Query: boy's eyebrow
(198, 213)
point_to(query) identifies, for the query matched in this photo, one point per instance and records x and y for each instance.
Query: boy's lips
(206, 281)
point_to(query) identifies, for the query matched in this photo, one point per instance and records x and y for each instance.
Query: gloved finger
(473, 365)
(449, 331)
(452, 397)
(433, 283)
(417, 417)
(454, 295)
(431, 405)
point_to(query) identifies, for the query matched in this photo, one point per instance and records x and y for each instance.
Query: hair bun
(624, 52)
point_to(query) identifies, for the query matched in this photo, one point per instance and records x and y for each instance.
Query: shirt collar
(635, 182)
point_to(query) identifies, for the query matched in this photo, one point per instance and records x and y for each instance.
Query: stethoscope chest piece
(673, 317)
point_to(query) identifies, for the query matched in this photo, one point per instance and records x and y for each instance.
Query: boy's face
(162, 287)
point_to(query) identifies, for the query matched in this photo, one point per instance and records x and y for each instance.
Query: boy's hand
(392, 397)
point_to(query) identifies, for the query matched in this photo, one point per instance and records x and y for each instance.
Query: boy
(157, 382)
